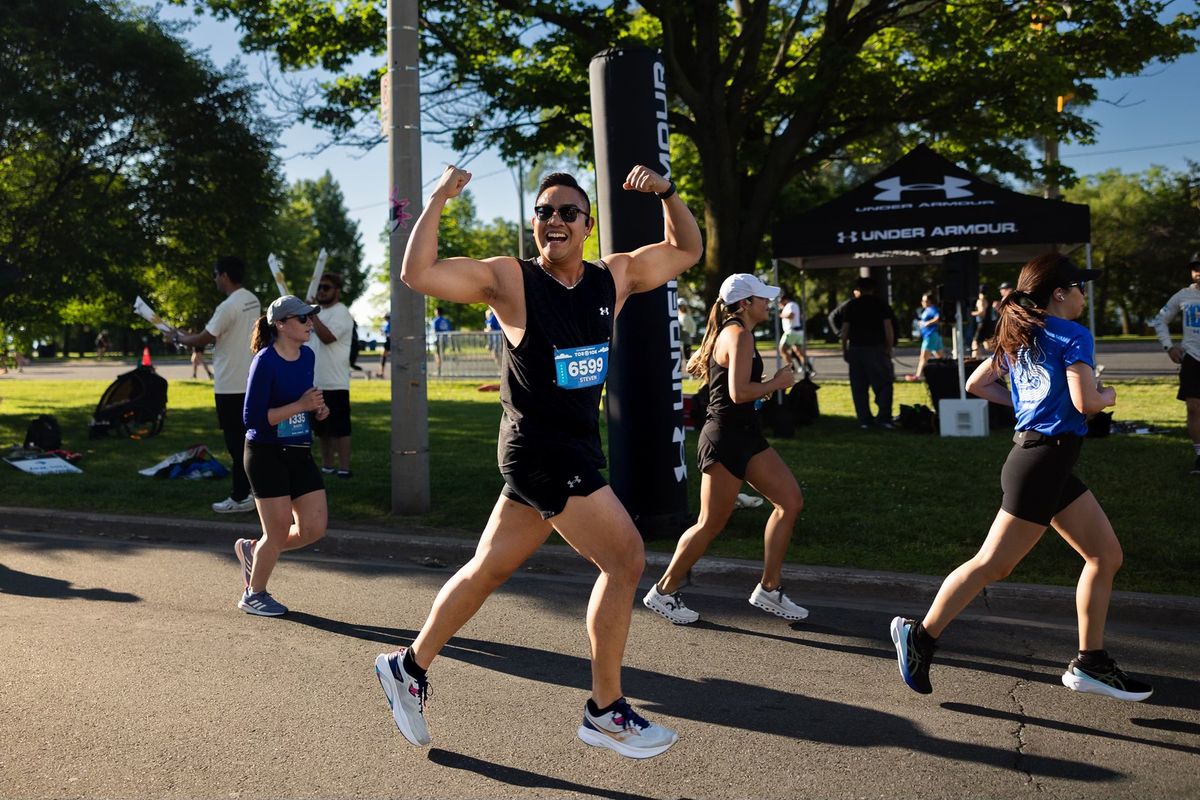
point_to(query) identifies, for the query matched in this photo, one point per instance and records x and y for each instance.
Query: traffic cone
(146, 356)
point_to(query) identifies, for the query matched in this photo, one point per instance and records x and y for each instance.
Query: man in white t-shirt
(332, 331)
(1185, 304)
(228, 331)
(792, 341)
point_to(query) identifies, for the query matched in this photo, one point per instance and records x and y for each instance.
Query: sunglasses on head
(567, 213)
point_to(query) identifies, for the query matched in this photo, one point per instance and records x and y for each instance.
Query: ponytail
(697, 365)
(262, 336)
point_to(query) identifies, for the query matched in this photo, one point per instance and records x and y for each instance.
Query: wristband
(670, 191)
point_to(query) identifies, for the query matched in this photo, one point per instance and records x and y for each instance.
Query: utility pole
(521, 210)
(410, 402)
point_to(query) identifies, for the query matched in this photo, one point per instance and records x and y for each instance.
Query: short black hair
(563, 179)
(232, 266)
(334, 278)
(866, 285)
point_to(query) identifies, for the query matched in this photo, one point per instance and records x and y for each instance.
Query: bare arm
(200, 339)
(459, 280)
(739, 344)
(985, 382)
(323, 333)
(653, 265)
(1086, 394)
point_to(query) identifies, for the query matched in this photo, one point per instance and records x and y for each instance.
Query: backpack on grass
(43, 433)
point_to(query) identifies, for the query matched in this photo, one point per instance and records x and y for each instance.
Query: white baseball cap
(741, 285)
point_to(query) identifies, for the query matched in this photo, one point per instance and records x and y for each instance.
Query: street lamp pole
(410, 409)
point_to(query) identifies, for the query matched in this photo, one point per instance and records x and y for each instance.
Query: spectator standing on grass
(1048, 360)
(868, 332)
(557, 313)
(102, 344)
(387, 343)
(441, 327)
(332, 343)
(732, 450)
(198, 362)
(281, 405)
(228, 331)
(1185, 304)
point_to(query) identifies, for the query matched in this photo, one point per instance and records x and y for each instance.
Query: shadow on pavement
(520, 777)
(729, 703)
(23, 583)
(1067, 727)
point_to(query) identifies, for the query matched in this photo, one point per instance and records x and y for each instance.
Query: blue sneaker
(261, 604)
(914, 659)
(625, 731)
(406, 696)
(244, 550)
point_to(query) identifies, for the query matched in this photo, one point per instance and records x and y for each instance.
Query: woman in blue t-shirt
(288, 490)
(931, 338)
(1048, 359)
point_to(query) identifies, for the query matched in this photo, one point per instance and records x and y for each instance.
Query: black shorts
(546, 477)
(1038, 481)
(1189, 379)
(730, 447)
(277, 470)
(229, 411)
(338, 422)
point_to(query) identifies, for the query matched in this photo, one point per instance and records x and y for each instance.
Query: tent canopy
(923, 207)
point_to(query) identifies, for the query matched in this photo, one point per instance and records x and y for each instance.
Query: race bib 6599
(581, 367)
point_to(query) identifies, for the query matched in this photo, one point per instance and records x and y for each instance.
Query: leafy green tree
(127, 163)
(1145, 227)
(461, 233)
(765, 91)
(314, 216)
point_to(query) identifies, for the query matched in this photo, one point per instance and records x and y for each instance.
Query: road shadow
(1069, 727)
(523, 778)
(28, 585)
(729, 703)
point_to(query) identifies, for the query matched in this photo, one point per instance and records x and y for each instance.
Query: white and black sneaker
(670, 606)
(1107, 679)
(777, 603)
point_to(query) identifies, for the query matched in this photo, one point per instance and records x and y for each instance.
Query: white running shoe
(777, 603)
(747, 501)
(625, 731)
(231, 506)
(405, 695)
(670, 606)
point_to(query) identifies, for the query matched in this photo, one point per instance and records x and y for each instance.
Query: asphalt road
(1121, 362)
(126, 671)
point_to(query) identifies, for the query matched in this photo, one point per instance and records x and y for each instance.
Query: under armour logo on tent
(893, 188)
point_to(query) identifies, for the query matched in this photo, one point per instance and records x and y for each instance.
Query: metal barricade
(464, 354)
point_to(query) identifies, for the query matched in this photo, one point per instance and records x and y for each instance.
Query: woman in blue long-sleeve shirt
(288, 489)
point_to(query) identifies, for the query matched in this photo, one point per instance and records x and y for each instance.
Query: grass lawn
(887, 501)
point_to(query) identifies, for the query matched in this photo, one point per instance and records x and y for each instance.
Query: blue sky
(1153, 118)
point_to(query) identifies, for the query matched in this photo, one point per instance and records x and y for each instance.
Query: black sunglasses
(1081, 285)
(325, 287)
(301, 318)
(567, 213)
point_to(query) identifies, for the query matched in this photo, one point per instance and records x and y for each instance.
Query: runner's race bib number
(581, 367)
(293, 426)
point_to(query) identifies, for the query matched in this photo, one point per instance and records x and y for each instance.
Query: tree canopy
(314, 216)
(763, 92)
(128, 163)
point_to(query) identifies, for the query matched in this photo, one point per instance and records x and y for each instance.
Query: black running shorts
(731, 447)
(1038, 481)
(277, 470)
(1189, 379)
(546, 477)
(337, 424)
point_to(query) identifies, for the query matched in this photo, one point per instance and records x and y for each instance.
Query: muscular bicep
(465, 280)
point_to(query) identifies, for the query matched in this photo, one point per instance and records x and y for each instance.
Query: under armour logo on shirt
(571, 484)
(604, 311)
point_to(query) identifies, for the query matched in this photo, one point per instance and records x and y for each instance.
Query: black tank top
(538, 412)
(721, 408)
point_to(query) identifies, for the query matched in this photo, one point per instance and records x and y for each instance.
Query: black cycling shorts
(338, 422)
(1189, 379)
(277, 470)
(1038, 481)
(731, 447)
(546, 477)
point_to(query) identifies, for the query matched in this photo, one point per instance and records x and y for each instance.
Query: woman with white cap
(732, 449)
(1048, 360)
(288, 489)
